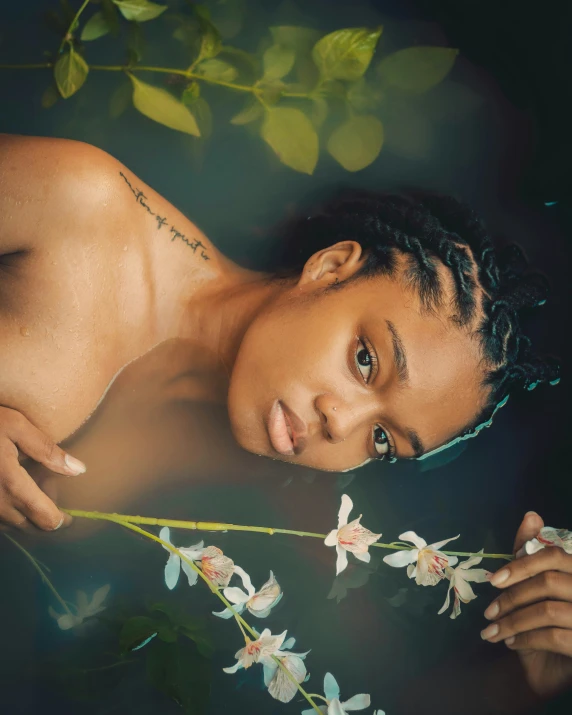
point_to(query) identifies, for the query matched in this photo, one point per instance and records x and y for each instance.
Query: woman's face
(332, 378)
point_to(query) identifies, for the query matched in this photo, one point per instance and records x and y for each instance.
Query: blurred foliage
(306, 90)
(173, 650)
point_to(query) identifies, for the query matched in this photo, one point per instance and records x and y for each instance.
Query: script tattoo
(162, 221)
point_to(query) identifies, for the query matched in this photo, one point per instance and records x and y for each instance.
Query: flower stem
(216, 526)
(67, 37)
(242, 623)
(43, 576)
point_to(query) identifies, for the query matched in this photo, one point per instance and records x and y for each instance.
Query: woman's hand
(533, 614)
(21, 499)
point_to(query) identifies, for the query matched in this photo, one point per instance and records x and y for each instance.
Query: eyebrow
(400, 359)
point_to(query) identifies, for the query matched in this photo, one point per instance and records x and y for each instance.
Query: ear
(332, 265)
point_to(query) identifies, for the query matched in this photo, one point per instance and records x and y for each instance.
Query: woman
(393, 333)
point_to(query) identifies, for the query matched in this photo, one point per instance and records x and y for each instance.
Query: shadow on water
(495, 133)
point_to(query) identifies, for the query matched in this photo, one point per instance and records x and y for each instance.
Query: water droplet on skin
(25, 331)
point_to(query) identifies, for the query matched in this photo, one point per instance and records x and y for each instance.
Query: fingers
(547, 622)
(35, 444)
(552, 558)
(22, 499)
(548, 585)
(529, 528)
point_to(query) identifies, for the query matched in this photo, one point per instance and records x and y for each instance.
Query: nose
(340, 419)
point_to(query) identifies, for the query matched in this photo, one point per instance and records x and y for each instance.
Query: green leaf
(70, 73)
(109, 12)
(357, 143)
(272, 90)
(417, 69)
(217, 70)
(211, 41)
(162, 107)
(345, 54)
(135, 43)
(278, 61)
(135, 630)
(191, 92)
(299, 39)
(292, 137)
(362, 96)
(250, 113)
(95, 27)
(139, 10)
(201, 111)
(50, 97)
(320, 111)
(249, 61)
(120, 100)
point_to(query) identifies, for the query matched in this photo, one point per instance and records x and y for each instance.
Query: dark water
(495, 133)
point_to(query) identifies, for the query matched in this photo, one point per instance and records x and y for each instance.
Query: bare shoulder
(44, 181)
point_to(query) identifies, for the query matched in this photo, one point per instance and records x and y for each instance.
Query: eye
(380, 441)
(365, 361)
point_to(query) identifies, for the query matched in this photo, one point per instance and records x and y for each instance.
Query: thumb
(528, 529)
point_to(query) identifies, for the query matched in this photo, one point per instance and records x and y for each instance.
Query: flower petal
(191, 574)
(172, 569)
(235, 594)
(366, 557)
(357, 702)
(99, 597)
(234, 668)
(227, 613)
(345, 508)
(445, 606)
(270, 667)
(281, 687)
(68, 621)
(412, 536)
(439, 544)
(335, 708)
(331, 687)
(342, 560)
(246, 581)
(165, 535)
(356, 538)
(401, 558)
(332, 538)
(476, 575)
(464, 590)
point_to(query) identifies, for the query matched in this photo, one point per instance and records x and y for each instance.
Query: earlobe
(333, 265)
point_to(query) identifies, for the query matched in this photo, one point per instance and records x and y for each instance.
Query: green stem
(67, 37)
(39, 66)
(216, 526)
(43, 576)
(115, 518)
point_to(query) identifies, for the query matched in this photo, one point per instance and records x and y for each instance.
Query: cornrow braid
(491, 283)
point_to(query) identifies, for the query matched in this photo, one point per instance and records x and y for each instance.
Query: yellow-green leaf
(96, 26)
(162, 107)
(278, 61)
(363, 96)
(70, 73)
(139, 10)
(357, 143)
(120, 99)
(250, 113)
(319, 111)
(217, 69)
(345, 54)
(292, 137)
(417, 69)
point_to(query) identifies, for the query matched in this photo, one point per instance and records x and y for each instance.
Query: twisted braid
(491, 285)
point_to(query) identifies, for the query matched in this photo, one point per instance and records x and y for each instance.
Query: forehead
(443, 392)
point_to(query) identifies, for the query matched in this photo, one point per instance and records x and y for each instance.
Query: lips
(286, 430)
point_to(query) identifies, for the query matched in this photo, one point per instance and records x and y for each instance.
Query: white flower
(334, 706)
(215, 565)
(351, 537)
(458, 580)
(254, 651)
(430, 562)
(259, 603)
(279, 685)
(84, 609)
(548, 536)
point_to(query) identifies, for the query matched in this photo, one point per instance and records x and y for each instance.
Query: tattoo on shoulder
(141, 199)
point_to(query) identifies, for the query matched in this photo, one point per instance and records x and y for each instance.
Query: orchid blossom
(84, 609)
(279, 685)
(429, 561)
(217, 567)
(333, 705)
(258, 603)
(459, 581)
(351, 537)
(263, 647)
(548, 536)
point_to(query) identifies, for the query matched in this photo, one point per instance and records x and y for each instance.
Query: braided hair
(491, 283)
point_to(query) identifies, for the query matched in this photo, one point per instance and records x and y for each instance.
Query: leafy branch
(326, 73)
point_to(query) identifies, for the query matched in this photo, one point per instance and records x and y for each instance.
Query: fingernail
(61, 522)
(493, 610)
(510, 640)
(490, 632)
(500, 577)
(530, 513)
(74, 465)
